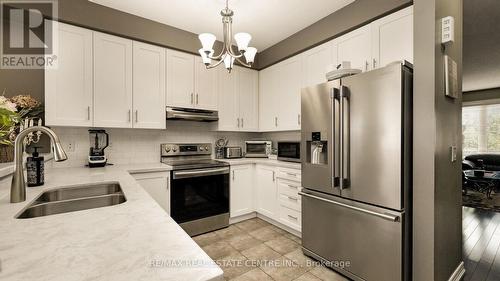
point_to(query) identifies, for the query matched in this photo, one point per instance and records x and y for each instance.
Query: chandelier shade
(245, 55)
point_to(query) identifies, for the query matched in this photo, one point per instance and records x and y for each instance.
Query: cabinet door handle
(238, 122)
(196, 98)
(192, 98)
(233, 175)
(276, 121)
(168, 183)
(88, 112)
(129, 115)
(298, 118)
(136, 116)
(242, 123)
(366, 65)
(274, 176)
(374, 63)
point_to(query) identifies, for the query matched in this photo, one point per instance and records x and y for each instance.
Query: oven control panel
(176, 149)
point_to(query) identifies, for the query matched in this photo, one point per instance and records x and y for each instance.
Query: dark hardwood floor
(481, 244)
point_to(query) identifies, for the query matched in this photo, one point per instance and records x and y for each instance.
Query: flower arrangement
(12, 113)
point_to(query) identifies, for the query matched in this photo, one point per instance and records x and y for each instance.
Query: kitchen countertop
(135, 240)
(263, 161)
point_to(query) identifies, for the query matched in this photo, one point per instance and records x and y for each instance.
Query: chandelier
(227, 54)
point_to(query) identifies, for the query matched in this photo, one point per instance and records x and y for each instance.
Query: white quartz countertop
(263, 161)
(135, 240)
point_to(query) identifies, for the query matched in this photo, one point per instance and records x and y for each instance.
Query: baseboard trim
(242, 218)
(459, 272)
(280, 225)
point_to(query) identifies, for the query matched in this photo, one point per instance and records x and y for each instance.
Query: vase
(6, 153)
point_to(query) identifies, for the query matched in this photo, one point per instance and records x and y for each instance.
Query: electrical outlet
(70, 146)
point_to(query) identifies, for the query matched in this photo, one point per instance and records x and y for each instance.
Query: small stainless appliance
(233, 152)
(99, 140)
(199, 189)
(258, 149)
(357, 172)
(177, 113)
(289, 151)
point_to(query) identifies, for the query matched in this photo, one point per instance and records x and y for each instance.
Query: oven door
(199, 194)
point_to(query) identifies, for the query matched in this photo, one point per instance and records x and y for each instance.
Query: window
(481, 129)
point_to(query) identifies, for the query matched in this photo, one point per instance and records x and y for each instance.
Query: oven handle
(200, 173)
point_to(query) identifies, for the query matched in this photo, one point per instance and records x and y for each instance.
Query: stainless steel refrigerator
(356, 146)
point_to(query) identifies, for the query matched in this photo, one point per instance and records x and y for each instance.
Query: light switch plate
(447, 30)
(450, 77)
(453, 152)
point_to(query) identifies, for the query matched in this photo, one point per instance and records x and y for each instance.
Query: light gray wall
(340, 22)
(437, 239)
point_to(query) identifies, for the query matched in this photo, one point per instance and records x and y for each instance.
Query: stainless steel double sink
(74, 198)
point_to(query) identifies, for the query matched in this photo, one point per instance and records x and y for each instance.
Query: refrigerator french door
(356, 173)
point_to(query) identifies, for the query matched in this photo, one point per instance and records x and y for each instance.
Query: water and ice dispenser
(317, 150)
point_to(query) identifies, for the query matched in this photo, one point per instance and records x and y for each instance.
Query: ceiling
(481, 47)
(268, 21)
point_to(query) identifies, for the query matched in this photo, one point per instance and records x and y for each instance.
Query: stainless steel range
(199, 195)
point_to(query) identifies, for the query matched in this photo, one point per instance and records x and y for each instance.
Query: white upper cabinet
(112, 81)
(268, 98)
(279, 96)
(68, 89)
(315, 63)
(205, 86)
(180, 79)
(289, 88)
(248, 92)
(392, 38)
(228, 100)
(238, 99)
(355, 47)
(149, 86)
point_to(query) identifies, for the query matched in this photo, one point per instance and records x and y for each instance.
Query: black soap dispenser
(35, 169)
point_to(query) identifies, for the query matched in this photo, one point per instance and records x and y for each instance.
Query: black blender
(99, 140)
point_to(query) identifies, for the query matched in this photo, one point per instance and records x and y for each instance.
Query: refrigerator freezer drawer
(369, 239)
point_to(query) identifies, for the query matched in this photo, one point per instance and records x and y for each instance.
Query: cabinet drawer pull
(293, 186)
(292, 217)
(293, 175)
(293, 198)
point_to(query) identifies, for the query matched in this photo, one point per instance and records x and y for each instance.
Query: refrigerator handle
(345, 137)
(362, 210)
(336, 137)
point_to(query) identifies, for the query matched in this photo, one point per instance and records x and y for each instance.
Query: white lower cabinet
(266, 195)
(157, 184)
(241, 190)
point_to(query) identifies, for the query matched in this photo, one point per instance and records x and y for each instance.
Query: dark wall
(437, 126)
(487, 96)
(340, 22)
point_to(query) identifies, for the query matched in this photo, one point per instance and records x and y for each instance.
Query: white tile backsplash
(129, 146)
